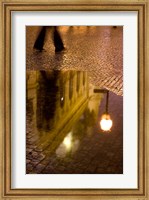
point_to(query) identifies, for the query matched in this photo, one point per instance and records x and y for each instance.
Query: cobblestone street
(63, 135)
(96, 49)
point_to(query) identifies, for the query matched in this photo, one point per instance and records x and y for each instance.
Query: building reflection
(64, 108)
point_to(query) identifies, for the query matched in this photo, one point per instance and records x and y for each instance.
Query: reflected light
(68, 141)
(106, 122)
(62, 98)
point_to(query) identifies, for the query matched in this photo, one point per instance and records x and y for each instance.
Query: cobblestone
(98, 50)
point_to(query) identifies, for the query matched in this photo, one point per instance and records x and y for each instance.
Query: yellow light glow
(106, 123)
(68, 141)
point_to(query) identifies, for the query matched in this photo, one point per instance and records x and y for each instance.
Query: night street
(68, 92)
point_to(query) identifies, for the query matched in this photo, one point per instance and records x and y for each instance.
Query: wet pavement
(63, 134)
(63, 130)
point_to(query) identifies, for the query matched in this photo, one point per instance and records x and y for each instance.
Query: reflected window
(78, 81)
(71, 85)
(83, 78)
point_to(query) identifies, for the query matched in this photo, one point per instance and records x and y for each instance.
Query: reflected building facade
(57, 95)
(59, 99)
(62, 120)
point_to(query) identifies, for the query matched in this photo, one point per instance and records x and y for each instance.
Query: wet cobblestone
(98, 50)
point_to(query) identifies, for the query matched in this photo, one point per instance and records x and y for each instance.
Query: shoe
(58, 50)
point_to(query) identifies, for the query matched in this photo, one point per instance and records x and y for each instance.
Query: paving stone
(27, 161)
(29, 167)
(39, 168)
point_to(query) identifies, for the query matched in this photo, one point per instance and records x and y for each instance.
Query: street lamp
(106, 122)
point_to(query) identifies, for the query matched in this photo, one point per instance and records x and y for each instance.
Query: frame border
(5, 99)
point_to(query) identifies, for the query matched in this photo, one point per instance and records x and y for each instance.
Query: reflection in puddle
(68, 146)
(106, 122)
(63, 125)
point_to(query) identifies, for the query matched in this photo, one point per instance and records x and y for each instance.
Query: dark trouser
(57, 40)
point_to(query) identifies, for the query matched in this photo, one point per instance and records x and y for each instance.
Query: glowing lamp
(106, 122)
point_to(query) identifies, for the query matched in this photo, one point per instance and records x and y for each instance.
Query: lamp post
(106, 122)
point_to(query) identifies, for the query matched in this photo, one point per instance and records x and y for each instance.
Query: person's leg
(39, 43)
(58, 43)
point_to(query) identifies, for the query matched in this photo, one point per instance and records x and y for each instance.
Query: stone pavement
(96, 49)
